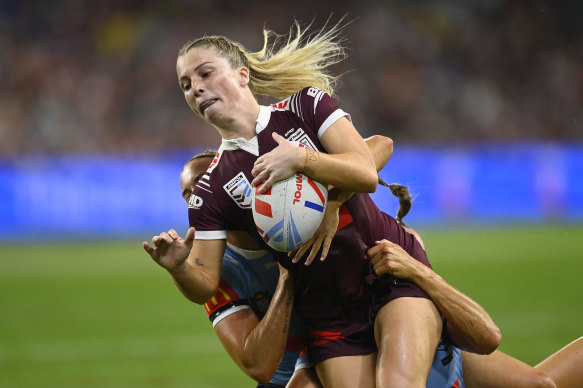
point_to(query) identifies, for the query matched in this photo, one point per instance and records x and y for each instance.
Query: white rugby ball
(288, 214)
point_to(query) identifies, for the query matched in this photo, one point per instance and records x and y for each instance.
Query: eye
(206, 74)
(185, 86)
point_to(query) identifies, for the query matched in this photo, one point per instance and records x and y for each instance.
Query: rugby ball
(288, 214)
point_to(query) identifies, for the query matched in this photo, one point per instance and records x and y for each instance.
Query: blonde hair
(303, 61)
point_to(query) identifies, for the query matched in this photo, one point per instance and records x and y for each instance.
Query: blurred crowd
(99, 76)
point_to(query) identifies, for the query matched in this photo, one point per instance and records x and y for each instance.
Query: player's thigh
(565, 366)
(304, 378)
(499, 370)
(347, 371)
(407, 331)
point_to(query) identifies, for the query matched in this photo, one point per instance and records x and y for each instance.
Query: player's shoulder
(306, 95)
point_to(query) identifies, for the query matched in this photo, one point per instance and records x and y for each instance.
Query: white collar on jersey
(262, 118)
(251, 146)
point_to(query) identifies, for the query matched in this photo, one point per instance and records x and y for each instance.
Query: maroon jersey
(336, 298)
(221, 200)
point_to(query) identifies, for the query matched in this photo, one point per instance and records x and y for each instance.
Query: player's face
(192, 174)
(210, 85)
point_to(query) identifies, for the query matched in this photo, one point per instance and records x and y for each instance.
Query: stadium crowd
(99, 77)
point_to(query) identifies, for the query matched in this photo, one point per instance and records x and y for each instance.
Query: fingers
(277, 137)
(172, 233)
(326, 248)
(147, 248)
(300, 252)
(374, 250)
(257, 167)
(161, 239)
(258, 180)
(315, 249)
(265, 186)
(189, 236)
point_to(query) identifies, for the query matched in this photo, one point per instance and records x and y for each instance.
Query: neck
(242, 124)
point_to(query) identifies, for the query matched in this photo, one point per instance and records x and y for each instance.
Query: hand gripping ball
(288, 214)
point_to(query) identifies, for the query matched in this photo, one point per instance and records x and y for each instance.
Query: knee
(541, 380)
(399, 379)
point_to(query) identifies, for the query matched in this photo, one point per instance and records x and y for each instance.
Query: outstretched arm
(258, 346)
(470, 327)
(195, 266)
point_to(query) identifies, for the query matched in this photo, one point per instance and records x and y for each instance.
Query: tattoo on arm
(197, 262)
(288, 308)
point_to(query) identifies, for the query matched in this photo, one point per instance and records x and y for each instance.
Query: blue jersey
(446, 370)
(248, 280)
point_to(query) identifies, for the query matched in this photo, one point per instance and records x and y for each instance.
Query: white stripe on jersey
(210, 235)
(317, 99)
(295, 106)
(336, 115)
(202, 188)
(228, 312)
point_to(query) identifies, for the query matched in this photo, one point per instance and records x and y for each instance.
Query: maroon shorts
(386, 288)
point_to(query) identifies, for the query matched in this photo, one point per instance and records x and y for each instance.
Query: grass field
(104, 315)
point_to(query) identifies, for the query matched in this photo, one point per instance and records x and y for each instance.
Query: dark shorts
(355, 339)
(386, 288)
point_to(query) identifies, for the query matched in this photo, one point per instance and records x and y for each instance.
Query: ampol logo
(298, 194)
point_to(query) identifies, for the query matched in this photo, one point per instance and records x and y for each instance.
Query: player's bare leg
(407, 331)
(499, 370)
(565, 366)
(304, 378)
(348, 371)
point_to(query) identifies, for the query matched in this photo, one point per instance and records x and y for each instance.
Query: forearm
(198, 277)
(350, 171)
(194, 282)
(264, 346)
(469, 325)
(381, 148)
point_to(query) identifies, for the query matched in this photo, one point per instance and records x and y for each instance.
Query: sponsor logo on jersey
(194, 202)
(300, 136)
(281, 105)
(239, 189)
(214, 163)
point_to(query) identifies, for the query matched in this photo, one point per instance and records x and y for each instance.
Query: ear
(243, 76)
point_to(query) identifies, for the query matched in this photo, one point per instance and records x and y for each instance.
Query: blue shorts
(446, 370)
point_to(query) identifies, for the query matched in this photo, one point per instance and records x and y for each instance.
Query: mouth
(206, 104)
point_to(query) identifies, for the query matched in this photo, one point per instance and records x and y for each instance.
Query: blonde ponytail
(302, 61)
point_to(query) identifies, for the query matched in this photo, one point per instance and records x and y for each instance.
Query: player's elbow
(260, 373)
(537, 379)
(490, 341)
(370, 182)
(387, 144)
(201, 294)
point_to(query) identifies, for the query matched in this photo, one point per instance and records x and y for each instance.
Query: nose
(197, 87)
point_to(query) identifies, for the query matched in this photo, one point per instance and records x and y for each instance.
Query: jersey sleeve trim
(335, 116)
(210, 234)
(225, 311)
